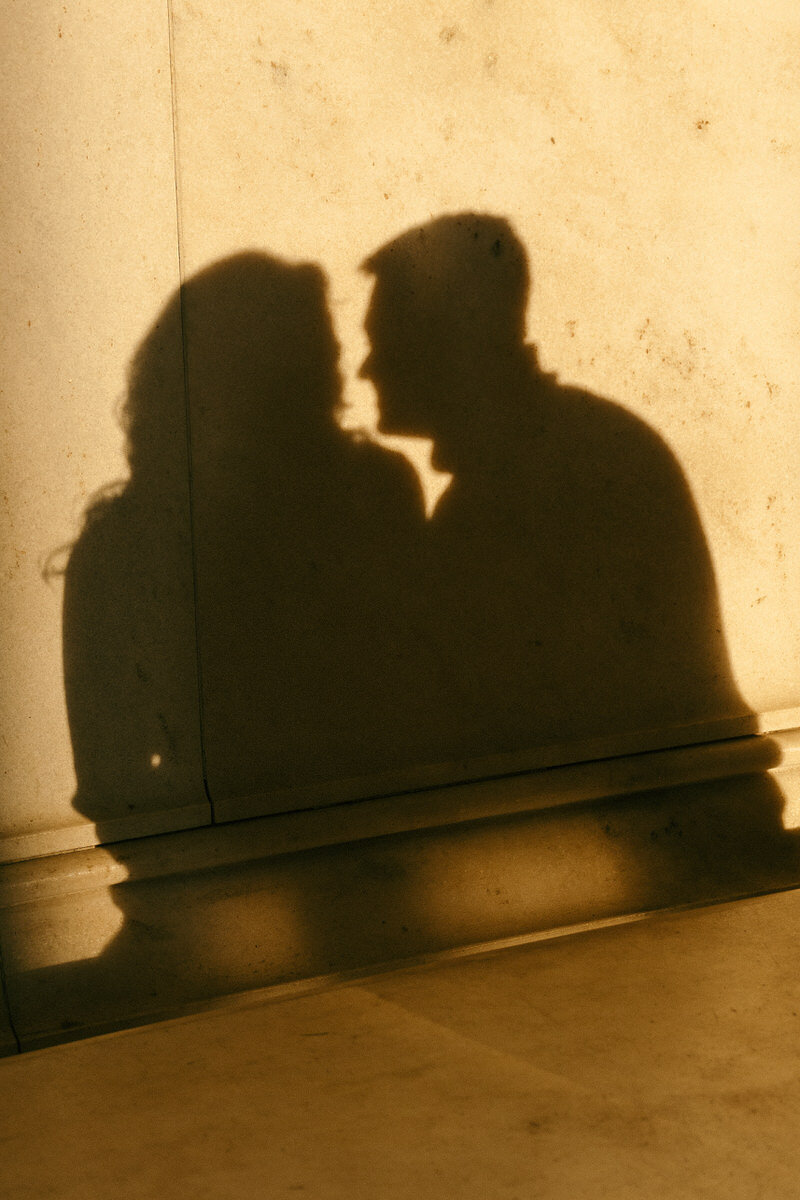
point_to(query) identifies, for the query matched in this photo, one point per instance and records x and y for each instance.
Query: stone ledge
(437, 783)
(240, 841)
(126, 934)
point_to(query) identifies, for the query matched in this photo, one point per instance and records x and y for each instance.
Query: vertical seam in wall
(185, 366)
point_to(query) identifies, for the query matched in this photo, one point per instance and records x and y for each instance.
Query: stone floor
(659, 1059)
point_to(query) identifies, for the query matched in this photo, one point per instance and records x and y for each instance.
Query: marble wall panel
(99, 711)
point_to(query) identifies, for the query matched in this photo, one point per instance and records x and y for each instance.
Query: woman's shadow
(302, 538)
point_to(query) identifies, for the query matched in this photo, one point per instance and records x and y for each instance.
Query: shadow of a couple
(561, 591)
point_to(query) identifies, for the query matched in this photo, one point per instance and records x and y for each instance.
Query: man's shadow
(563, 590)
(567, 594)
(569, 590)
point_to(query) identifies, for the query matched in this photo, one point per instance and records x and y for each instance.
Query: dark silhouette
(302, 541)
(570, 590)
(569, 596)
(561, 592)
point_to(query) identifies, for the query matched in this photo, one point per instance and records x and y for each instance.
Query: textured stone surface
(658, 1059)
(89, 253)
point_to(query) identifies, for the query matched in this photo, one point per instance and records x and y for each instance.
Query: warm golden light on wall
(648, 166)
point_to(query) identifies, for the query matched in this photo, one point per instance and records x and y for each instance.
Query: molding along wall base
(437, 785)
(123, 934)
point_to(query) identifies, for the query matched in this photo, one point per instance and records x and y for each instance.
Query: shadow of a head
(446, 325)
